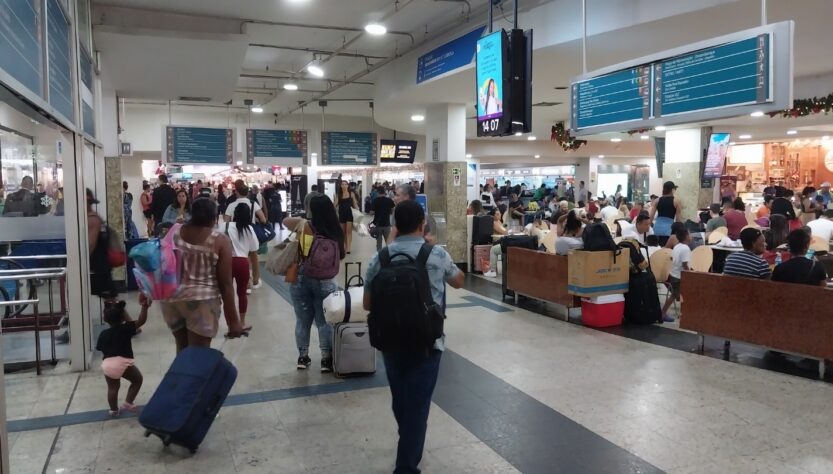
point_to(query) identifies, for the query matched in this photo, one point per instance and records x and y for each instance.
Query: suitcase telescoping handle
(240, 345)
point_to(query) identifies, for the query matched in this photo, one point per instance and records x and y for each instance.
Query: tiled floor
(518, 392)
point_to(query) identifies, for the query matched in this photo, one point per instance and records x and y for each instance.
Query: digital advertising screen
(397, 151)
(716, 155)
(491, 84)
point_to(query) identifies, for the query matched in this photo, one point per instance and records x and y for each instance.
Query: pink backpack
(163, 281)
(324, 258)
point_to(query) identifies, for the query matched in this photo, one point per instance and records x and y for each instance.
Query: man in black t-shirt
(163, 197)
(382, 209)
(799, 269)
(516, 209)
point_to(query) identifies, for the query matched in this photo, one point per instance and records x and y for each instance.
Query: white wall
(683, 146)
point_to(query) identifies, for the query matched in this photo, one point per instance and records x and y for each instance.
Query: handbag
(291, 273)
(263, 232)
(286, 253)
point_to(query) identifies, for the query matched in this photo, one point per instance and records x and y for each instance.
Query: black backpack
(403, 316)
(596, 237)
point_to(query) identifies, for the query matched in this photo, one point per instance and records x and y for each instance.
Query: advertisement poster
(716, 156)
(490, 77)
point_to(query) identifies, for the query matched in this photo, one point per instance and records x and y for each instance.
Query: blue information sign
(621, 96)
(448, 57)
(724, 76)
(348, 148)
(20, 42)
(199, 145)
(275, 144)
(58, 55)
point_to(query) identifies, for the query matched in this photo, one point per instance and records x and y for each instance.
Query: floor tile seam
(58, 431)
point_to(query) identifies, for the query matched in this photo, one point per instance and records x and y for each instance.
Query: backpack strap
(384, 257)
(422, 261)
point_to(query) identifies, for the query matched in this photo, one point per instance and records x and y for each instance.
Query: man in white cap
(824, 192)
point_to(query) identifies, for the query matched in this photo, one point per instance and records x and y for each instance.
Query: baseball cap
(825, 184)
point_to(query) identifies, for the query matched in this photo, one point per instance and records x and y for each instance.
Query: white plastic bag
(335, 303)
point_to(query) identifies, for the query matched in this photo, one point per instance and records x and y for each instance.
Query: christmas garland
(640, 131)
(565, 139)
(805, 107)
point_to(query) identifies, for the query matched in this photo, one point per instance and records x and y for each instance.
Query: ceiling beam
(261, 75)
(316, 51)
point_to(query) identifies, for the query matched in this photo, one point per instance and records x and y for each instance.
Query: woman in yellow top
(308, 293)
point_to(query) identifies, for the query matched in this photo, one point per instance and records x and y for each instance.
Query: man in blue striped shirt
(749, 262)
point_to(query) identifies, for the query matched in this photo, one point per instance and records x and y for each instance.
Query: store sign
(723, 77)
(448, 57)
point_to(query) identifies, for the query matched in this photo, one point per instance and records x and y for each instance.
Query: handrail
(32, 276)
(33, 257)
(18, 302)
(35, 270)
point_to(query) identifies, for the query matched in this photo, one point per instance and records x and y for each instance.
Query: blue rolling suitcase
(187, 400)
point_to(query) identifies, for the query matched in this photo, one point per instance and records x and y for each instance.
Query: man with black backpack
(407, 282)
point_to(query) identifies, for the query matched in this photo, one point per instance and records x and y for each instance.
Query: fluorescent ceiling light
(532, 138)
(239, 163)
(757, 113)
(745, 136)
(537, 156)
(644, 137)
(417, 118)
(518, 134)
(660, 128)
(468, 155)
(257, 110)
(601, 156)
(290, 87)
(826, 137)
(731, 143)
(375, 29)
(315, 70)
(792, 132)
(616, 140)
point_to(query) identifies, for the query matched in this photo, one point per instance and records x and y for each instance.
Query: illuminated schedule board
(719, 78)
(199, 145)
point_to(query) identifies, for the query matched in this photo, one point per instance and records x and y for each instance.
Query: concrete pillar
(446, 175)
(683, 164)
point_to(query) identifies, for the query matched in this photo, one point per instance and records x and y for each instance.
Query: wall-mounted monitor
(659, 152)
(493, 115)
(397, 151)
(716, 155)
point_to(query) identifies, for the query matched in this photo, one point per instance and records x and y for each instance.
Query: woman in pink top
(735, 215)
(205, 255)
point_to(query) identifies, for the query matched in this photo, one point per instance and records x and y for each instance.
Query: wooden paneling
(539, 275)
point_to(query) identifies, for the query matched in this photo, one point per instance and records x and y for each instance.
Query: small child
(681, 258)
(117, 348)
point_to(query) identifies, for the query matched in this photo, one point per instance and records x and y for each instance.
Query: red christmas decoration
(564, 138)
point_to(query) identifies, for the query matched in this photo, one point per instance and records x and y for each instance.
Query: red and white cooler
(603, 311)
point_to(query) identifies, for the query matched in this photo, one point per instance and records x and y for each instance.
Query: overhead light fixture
(745, 136)
(375, 29)
(660, 128)
(616, 140)
(257, 110)
(417, 118)
(757, 113)
(290, 86)
(792, 132)
(315, 70)
(468, 155)
(601, 156)
(518, 134)
(537, 156)
(532, 138)
(826, 137)
(239, 163)
(644, 137)
(731, 143)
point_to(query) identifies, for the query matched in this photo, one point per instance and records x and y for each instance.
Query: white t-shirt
(231, 207)
(609, 212)
(822, 228)
(242, 244)
(681, 254)
(629, 232)
(563, 245)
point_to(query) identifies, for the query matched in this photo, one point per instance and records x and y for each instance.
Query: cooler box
(603, 311)
(597, 273)
(481, 254)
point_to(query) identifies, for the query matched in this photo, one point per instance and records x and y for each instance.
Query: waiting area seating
(783, 317)
(539, 275)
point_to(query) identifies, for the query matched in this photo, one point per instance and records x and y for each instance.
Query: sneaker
(248, 291)
(258, 285)
(490, 274)
(326, 364)
(668, 319)
(129, 407)
(303, 362)
(113, 413)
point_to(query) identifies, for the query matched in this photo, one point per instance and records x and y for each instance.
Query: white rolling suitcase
(352, 353)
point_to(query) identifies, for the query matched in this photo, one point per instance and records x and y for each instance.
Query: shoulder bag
(282, 256)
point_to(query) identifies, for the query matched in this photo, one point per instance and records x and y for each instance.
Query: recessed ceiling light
(745, 137)
(660, 128)
(239, 163)
(792, 132)
(290, 87)
(601, 156)
(731, 143)
(417, 118)
(532, 138)
(644, 137)
(757, 113)
(468, 155)
(375, 29)
(537, 156)
(257, 110)
(315, 70)
(518, 134)
(616, 140)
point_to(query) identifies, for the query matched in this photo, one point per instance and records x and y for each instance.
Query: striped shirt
(746, 264)
(199, 269)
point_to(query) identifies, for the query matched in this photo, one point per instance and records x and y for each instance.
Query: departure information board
(198, 145)
(58, 55)
(20, 42)
(275, 144)
(348, 148)
(618, 97)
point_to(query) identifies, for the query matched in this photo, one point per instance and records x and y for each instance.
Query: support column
(446, 175)
(683, 165)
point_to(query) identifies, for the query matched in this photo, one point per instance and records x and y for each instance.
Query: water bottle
(810, 254)
(778, 259)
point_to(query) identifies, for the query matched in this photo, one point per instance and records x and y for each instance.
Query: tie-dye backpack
(157, 269)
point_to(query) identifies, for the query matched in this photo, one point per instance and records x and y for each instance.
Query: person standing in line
(382, 210)
(163, 197)
(308, 293)
(205, 255)
(243, 243)
(668, 209)
(412, 376)
(346, 201)
(146, 200)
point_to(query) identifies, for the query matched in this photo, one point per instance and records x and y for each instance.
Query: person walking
(308, 292)
(346, 200)
(382, 210)
(243, 242)
(146, 199)
(162, 198)
(180, 211)
(130, 230)
(412, 374)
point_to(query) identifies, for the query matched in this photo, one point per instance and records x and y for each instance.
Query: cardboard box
(597, 273)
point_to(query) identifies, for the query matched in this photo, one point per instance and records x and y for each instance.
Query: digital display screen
(491, 67)
(397, 151)
(716, 156)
